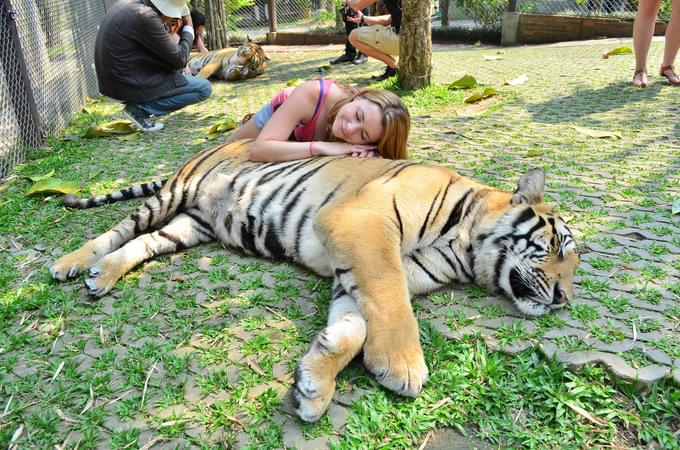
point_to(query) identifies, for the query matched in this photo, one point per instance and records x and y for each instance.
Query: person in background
(643, 31)
(379, 39)
(350, 54)
(198, 19)
(138, 63)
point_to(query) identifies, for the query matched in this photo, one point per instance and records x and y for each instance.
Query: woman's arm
(385, 20)
(200, 45)
(272, 143)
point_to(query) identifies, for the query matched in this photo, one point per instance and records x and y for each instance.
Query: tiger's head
(526, 251)
(253, 57)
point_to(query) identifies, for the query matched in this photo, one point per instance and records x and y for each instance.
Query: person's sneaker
(360, 59)
(344, 58)
(389, 72)
(141, 120)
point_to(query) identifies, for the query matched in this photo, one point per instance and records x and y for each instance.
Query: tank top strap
(324, 88)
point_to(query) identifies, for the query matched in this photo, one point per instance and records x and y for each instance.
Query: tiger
(247, 61)
(382, 229)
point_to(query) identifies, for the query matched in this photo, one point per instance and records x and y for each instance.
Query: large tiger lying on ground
(383, 229)
(247, 61)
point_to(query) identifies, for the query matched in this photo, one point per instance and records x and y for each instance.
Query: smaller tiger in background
(247, 61)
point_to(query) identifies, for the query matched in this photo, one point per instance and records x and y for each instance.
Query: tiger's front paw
(394, 356)
(313, 389)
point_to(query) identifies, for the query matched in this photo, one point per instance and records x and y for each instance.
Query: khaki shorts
(380, 38)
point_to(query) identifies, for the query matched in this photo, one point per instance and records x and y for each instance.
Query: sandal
(640, 78)
(669, 77)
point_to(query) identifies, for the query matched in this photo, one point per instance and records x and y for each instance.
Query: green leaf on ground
(110, 129)
(293, 82)
(220, 127)
(517, 81)
(464, 82)
(53, 185)
(676, 207)
(89, 109)
(488, 92)
(600, 134)
(130, 137)
(37, 178)
(617, 51)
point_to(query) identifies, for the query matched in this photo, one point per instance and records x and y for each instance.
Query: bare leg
(672, 43)
(643, 31)
(330, 352)
(370, 51)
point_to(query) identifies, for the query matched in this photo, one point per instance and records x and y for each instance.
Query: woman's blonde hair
(396, 120)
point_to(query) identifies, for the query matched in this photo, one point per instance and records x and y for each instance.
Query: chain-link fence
(252, 19)
(623, 9)
(46, 56)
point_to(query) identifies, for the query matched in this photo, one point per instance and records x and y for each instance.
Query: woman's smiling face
(359, 122)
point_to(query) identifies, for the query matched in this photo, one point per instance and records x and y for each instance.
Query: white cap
(172, 8)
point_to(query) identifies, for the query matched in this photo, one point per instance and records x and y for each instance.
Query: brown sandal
(665, 69)
(637, 82)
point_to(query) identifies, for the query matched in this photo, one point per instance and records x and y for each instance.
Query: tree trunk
(444, 11)
(415, 44)
(216, 25)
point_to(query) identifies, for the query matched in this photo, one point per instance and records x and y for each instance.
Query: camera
(346, 12)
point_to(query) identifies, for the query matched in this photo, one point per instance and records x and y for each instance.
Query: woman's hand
(343, 148)
(366, 154)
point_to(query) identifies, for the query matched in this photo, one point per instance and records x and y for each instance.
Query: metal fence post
(271, 9)
(16, 73)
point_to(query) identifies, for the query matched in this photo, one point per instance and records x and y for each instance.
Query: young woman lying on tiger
(384, 230)
(323, 118)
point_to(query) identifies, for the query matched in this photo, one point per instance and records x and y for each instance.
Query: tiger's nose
(559, 296)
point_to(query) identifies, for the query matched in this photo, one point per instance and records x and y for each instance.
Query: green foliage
(664, 9)
(487, 13)
(231, 7)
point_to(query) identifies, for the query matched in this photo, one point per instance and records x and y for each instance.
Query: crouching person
(138, 63)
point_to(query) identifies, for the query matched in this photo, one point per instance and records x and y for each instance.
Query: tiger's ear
(530, 188)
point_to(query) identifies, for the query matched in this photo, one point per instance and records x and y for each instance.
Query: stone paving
(191, 348)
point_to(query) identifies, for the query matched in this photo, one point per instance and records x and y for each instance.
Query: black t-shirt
(394, 8)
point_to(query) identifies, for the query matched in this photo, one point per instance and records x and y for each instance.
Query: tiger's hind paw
(311, 394)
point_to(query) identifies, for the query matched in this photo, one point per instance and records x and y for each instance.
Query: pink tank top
(304, 131)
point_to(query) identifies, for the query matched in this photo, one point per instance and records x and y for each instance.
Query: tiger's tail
(140, 190)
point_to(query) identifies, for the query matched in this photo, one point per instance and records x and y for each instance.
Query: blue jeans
(196, 90)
